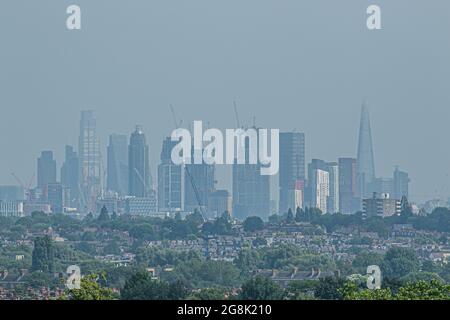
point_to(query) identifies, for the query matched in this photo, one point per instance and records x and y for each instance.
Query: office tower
(170, 180)
(320, 189)
(70, 175)
(219, 202)
(401, 184)
(57, 196)
(139, 184)
(292, 169)
(46, 169)
(200, 180)
(365, 159)
(383, 185)
(333, 198)
(89, 162)
(251, 190)
(117, 162)
(348, 195)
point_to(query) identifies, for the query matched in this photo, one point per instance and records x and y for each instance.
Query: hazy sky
(304, 64)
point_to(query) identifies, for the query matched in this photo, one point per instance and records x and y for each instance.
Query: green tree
(43, 258)
(141, 286)
(104, 216)
(398, 262)
(252, 224)
(261, 288)
(329, 288)
(90, 289)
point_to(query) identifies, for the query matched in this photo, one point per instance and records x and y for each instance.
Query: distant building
(401, 184)
(41, 206)
(70, 175)
(365, 159)
(57, 196)
(11, 209)
(292, 169)
(12, 193)
(117, 163)
(171, 180)
(199, 182)
(333, 178)
(348, 194)
(90, 171)
(219, 202)
(141, 206)
(139, 182)
(320, 189)
(383, 185)
(251, 190)
(46, 169)
(381, 205)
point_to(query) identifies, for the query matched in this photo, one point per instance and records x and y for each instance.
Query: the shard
(365, 159)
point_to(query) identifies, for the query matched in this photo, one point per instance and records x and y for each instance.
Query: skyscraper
(46, 169)
(320, 189)
(170, 180)
(251, 190)
(401, 184)
(70, 174)
(117, 174)
(200, 180)
(292, 168)
(333, 196)
(348, 201)
(139, 184)
(89, 161)
(365, 158)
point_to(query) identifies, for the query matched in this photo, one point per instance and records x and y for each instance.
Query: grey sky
(304, 64)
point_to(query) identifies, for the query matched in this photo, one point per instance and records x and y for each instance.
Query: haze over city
(201, 55)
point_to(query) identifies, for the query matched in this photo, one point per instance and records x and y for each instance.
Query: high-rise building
(89, 161)
(401, 184)
(170, 180)
(57, 196)
(365, 158)
(320, 189)
(46, 169)
(383, 186)
(139, 184)
(70, 175)
(348, 194)
(219, 202)
(200, 180)
(292, 169)
(333, 196)
(117, 174)
(251, 190)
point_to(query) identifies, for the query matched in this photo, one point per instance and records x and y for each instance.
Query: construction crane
(191, 179)
(177, 124)
(236, 114)
(26, 187)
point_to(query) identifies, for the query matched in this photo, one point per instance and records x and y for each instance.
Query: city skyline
(200, 63)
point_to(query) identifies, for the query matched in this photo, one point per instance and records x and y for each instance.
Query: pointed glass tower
(365, 159)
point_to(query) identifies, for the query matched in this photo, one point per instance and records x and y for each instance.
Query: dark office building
(46, 169)
(70, 174)
(139, 184)
(170, 180)
(199, 184)
(292, 168)
(117, 176)
(348, 192)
